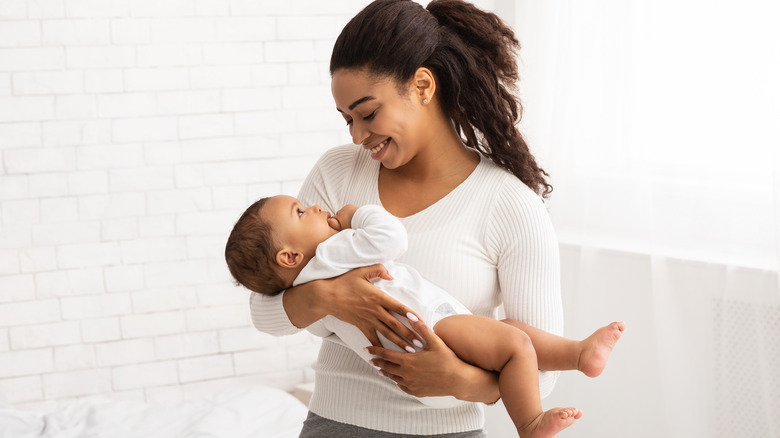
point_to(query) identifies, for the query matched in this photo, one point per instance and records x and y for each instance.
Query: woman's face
(385, 122)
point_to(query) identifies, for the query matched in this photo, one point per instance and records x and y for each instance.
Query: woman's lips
(376, 150)
(381, 145)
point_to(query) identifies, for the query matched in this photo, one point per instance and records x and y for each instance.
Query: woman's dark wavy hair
(472, 56)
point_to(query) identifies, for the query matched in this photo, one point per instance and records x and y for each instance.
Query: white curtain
(658, 121)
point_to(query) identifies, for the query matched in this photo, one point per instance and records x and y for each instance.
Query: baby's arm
(343, 218)
(374, 236)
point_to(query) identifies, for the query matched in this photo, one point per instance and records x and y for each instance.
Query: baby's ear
(287, 258)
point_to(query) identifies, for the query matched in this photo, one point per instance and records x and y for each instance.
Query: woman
(410, 83)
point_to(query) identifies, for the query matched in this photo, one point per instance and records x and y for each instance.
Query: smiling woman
(427, 94)
(384, 115)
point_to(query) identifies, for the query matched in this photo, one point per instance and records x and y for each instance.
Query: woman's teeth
(379, 147)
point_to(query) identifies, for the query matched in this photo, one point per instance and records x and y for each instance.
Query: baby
(278, 243)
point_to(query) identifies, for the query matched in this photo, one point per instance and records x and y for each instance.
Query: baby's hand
(343, 218)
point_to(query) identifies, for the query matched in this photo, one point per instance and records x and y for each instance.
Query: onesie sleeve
(376, 236)
(322, 186)
(528, 262)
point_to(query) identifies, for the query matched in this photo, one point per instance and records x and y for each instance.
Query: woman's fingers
(358, 302)
(390, 365)
(371, 336)
(404, 388)
(422, 329)
(393, 330)
(429, 372)
(371, 333)
(388, 361)
(404, 333)
(397, 379)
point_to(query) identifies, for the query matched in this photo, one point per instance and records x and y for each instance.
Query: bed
(251, 412)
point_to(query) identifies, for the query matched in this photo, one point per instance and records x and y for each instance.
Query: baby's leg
(494, 346)
(556, 353)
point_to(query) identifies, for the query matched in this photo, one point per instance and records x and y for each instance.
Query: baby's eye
(300, 212)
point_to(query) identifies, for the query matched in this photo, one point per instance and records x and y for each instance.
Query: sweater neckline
(444, 199)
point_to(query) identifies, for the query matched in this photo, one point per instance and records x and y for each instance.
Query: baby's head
(273, 240)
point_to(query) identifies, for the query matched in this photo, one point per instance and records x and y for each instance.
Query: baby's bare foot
(597, 347)
(549, 423)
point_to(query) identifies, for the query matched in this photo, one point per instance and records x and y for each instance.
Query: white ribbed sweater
(489, 241)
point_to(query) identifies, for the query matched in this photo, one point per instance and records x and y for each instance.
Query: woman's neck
(444, 158)
(433, 173)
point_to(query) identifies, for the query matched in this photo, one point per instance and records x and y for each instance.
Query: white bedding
(253, 412)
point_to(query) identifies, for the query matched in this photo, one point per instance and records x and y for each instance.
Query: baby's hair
(250, 253)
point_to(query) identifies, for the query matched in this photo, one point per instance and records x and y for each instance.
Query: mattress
(250, 412)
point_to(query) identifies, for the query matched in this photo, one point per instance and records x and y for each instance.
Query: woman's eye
(300, 212)
(370, 116)
(349, 122)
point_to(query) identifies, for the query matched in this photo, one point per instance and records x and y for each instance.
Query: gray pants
(318, 427)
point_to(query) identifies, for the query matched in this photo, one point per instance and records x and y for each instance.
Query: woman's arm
(350, 297)
(529, 275)
(528, 264)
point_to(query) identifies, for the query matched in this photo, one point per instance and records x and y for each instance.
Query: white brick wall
(133, 133)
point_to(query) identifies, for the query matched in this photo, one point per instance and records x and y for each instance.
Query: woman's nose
(359, 133)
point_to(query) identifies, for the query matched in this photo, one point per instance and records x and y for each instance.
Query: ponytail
(472, 54)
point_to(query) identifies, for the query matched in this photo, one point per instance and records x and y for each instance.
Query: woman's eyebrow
(358, 102)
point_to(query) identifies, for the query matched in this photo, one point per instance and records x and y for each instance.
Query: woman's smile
(377, 150)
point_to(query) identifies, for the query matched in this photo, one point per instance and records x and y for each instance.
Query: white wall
(133, 133)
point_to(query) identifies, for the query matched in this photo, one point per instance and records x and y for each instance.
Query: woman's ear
(425, 85)
(288, 258)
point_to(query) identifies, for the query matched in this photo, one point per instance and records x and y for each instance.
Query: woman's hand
(353, 299)
(436, 370)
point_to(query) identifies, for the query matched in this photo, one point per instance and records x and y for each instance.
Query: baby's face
(297, 226)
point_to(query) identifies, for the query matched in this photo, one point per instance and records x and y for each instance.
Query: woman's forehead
(349, 86)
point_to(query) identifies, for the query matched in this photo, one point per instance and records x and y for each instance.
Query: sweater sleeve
(520, 230)
(269, 316)
(322, 186)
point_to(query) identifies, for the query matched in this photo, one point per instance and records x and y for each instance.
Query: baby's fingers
(375, 271)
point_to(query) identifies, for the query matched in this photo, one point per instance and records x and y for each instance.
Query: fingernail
(410, 349)
(411, 316)
(381, 373)
(417, 343)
